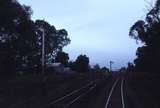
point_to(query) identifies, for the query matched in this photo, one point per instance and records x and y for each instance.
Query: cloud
(94, 26)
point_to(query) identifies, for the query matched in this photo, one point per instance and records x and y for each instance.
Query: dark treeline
(148, 32)
(81, 64)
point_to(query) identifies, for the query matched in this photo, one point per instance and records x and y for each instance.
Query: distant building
(59, 68)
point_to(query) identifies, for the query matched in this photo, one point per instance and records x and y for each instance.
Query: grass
(146, 88)
(24, 87)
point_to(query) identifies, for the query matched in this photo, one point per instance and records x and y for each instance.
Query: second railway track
(71, 98)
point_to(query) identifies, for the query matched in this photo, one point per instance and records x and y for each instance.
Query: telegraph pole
(44, 92)
(110, 63)
(43, 50)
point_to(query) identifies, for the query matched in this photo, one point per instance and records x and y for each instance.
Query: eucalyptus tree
(148, 32)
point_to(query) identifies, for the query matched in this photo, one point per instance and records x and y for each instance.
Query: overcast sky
(97, 28)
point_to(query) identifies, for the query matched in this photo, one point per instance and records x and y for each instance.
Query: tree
(82, 63)
(62, 57)
(72, 65)
(96, 68)
(148, 32)
(130, 67)
(13, 17)
(104, 69)
(55, 40)
(21, 39)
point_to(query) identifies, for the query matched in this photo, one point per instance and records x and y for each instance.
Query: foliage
(104, 69)
(130, 67)
(21, 39)
(55, 40)
(62, 57)
(14, 19)
(148, 32)
(82, 63)
(98, 69)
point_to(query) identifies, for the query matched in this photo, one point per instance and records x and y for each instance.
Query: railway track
(116, 95)
(51, 99)
(73, 97)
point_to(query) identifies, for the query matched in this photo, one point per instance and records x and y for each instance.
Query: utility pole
(44, 92)
(43, 50)
(110, 63)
